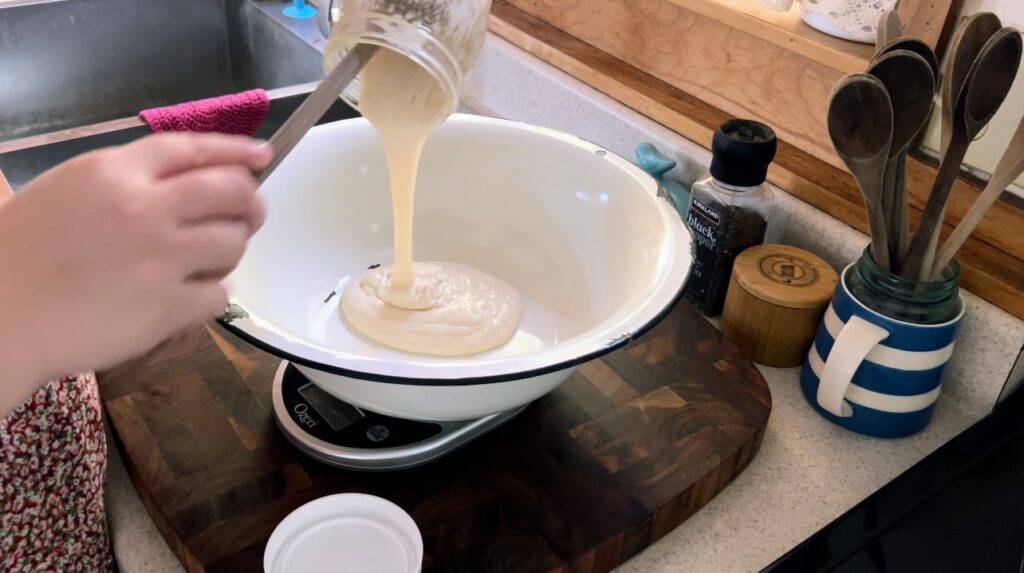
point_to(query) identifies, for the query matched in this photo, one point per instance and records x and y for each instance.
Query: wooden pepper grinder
(777, 296)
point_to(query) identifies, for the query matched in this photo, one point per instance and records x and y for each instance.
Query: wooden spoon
(889, 28)
(1009, 169)
(911, 85)
(316, 105)
(860, 122)
(986, 87)
(912, 45)
(963, 50)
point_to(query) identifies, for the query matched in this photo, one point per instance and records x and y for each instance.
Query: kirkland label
(708, 213)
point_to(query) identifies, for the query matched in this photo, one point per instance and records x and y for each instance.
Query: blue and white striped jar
(873, 374)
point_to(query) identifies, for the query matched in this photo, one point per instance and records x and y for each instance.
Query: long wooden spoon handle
(889, 210)
(873, 190)
(902, 217)
(921, 253)
(879, 241)
(1010, 167)
(316, 105)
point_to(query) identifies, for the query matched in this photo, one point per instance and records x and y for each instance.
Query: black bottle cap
(741, 151)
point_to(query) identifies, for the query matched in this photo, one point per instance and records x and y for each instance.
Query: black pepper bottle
(729, 209)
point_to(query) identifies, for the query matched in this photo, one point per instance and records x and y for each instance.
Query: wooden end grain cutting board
(586, 477)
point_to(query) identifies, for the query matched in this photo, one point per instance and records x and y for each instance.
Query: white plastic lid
(345, 532)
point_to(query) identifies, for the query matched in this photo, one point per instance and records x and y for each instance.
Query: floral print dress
(52, 465)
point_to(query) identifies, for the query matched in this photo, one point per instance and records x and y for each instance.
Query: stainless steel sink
(22, 159)
(69, 63)
(75, 73)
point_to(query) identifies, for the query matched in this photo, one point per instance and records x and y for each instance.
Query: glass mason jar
(934, 302)
(442, 36)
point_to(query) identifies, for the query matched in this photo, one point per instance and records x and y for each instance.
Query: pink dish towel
(236, 114)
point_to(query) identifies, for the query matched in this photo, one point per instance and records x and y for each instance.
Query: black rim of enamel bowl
(466, 381)
(232, 325)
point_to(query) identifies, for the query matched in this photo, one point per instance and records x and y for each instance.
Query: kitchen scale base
(342, 435)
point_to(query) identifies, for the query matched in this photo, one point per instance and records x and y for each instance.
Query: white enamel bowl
(597, 256)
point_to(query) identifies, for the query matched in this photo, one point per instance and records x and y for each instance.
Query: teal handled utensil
(657, 165)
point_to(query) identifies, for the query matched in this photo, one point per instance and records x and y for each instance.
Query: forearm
(21, 373)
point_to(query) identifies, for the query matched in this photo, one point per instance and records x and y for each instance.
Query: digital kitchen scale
(342, 435)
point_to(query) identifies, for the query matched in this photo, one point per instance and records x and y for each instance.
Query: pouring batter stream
(429, 308)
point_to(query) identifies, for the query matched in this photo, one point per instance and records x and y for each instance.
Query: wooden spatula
(1009, 169)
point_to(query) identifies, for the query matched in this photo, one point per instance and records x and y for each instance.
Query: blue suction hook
(300, 10)
(657, 165)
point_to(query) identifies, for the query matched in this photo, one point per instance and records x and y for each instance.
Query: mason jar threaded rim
(411, 40)
(903, 299)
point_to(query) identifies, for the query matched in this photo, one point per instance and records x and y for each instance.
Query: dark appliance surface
(959, 509)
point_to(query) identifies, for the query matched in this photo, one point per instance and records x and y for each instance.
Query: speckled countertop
(808, 471)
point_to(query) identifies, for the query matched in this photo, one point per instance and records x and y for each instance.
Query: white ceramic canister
(855, 20)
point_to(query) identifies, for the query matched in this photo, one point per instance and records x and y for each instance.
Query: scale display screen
(336, 413)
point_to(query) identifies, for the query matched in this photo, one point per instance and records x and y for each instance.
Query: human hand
(110, 253)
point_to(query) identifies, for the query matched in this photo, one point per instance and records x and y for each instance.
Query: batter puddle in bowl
(441, 309)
